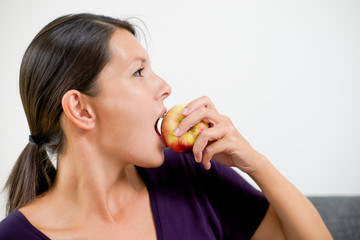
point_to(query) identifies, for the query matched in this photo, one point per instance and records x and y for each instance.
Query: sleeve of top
(239, 206)
(16, 226)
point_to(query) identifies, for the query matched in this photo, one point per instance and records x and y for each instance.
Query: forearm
(299, 218)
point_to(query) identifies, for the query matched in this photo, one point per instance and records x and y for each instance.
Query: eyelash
(138, 73)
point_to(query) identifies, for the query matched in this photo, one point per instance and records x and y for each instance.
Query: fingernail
(208, 166)
(177, 132)
(184, 111)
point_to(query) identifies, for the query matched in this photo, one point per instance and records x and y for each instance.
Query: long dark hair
(68, 53)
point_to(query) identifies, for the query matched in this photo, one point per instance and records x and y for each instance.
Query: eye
(138, 73)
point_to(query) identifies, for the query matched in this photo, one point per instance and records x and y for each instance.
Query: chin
(156, 160)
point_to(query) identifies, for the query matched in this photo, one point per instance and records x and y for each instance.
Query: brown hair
(68, 53)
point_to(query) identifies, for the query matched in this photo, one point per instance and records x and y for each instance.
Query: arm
(290, 214)
(290, 211)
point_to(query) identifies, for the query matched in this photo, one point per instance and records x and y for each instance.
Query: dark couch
(341, 215)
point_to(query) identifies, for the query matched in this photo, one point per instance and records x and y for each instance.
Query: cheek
(127, 135)
(123, 130)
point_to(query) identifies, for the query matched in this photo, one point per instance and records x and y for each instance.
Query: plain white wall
(286, 72)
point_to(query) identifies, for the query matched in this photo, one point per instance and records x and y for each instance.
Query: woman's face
(129, 104)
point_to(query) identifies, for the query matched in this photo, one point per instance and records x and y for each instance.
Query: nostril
(167, 91)
(165, 95)
(163, 89)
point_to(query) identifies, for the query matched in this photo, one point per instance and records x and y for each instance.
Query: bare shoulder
(37, 212)
(47, 218)
(33, 208)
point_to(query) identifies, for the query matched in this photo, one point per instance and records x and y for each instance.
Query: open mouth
(158, 126)
(159, 122)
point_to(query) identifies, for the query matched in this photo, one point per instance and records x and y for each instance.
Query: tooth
(159, 125)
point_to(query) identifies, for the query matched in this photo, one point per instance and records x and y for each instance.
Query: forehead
(124, 47)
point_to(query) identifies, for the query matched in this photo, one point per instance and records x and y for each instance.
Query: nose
(164, 89)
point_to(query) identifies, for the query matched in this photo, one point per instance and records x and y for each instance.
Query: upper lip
(162, 114)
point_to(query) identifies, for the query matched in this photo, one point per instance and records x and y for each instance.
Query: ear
(77, 110)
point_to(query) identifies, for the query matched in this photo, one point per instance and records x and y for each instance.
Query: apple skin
(184, 143)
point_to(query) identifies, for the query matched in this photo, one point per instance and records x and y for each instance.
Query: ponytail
(32, 175)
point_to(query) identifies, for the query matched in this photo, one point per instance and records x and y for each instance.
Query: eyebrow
(139, 58)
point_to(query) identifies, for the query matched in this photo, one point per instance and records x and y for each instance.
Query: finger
(207, 165)
(210, 151)
(204, 139)
(200, 114)
(201, 102)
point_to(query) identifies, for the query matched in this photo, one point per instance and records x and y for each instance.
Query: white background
(286, 72)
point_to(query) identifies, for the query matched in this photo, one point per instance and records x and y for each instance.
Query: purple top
(15, 226)
(188, 202)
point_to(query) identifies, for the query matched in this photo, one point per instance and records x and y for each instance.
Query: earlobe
(77, 110)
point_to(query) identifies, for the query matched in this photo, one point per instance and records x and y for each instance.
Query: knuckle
(203, 111)
(209, 151)
(196, 152)
(226, 118)
(205, 134)
(234, 136)
(197, 145)
(205, 97)
(231, 138)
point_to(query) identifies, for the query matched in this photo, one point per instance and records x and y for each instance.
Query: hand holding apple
(221, 142)
(170, 123)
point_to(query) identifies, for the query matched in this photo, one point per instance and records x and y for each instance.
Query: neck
(92, 185)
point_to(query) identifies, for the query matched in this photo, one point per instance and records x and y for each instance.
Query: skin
(98, 193)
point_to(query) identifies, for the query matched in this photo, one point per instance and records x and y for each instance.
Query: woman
(92, 100)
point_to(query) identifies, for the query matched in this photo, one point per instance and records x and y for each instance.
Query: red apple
(171, 121)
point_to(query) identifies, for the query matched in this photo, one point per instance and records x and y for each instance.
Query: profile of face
(129, 104)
